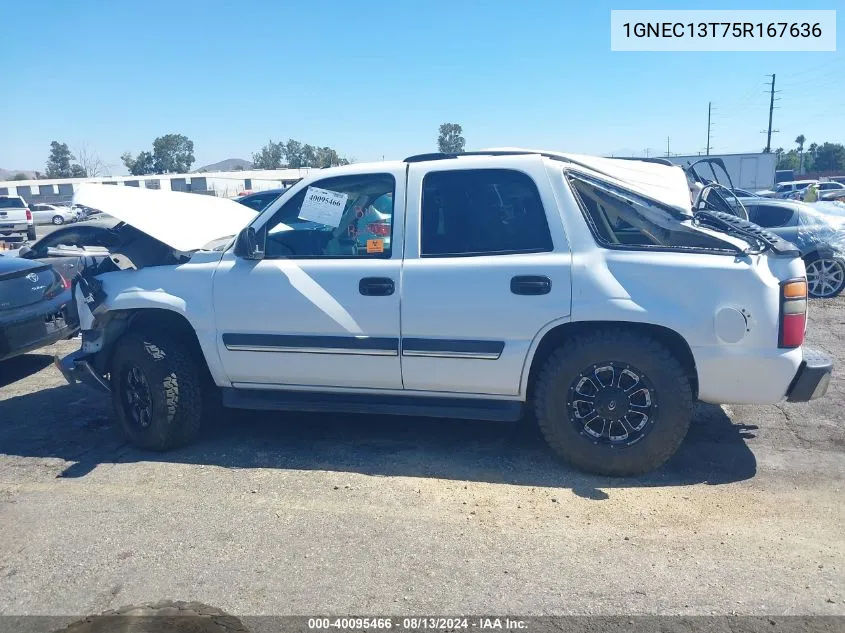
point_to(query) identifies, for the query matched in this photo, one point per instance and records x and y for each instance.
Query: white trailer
(747, 171)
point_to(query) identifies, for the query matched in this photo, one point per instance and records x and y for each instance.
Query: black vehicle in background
(261, 199)
(36, 307)
(70, 248)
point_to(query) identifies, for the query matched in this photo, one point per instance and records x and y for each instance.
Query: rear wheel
(30, 234)
(156, 391)
(57, 219)
(825, 277)
(613, 403)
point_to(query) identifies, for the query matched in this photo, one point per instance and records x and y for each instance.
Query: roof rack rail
(659, 161)
(418, 158)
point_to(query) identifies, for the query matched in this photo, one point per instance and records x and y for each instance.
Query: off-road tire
(671, 385)
(175, 384)
(167, 615)
(30, 235)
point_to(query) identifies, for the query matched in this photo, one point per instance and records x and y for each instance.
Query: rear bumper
(75, 367)
(812, 378)
(27, 329)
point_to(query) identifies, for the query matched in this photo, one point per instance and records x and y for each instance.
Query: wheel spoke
(618, 438)
(611, 402)
(600, 370)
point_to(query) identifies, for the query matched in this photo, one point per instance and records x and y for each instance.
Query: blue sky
(376, 78)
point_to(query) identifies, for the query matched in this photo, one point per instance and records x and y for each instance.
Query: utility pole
(768, 149)
(707, 147)
(667, 147)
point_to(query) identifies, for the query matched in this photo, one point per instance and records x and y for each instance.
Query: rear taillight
(28, 215)
(793, 313)
(381, 229)
(60, 284)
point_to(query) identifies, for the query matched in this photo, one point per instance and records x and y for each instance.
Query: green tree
(58, 164)
(799, 141)
(789, 160)
(140, 165)
(294, 153)
(830, 157)
(78, 171)
(309, 156)
(450, 141)
(173, 154)
(20, 176)
(271, 156)
(810, 156)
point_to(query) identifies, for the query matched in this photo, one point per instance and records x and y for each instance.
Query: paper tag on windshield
(323, 206)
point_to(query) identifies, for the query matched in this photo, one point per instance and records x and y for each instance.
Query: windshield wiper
(761, 239)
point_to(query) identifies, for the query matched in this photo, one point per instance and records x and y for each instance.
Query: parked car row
(796, 189)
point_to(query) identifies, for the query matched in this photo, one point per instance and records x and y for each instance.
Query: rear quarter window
(624, 220)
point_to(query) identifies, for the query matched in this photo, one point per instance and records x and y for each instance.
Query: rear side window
(769, 215)
(482, 212)
(11, 203)
(624, 220)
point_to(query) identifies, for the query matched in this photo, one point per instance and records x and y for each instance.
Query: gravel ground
(304, 514)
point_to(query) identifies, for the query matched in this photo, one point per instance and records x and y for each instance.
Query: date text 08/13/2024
(417, 623)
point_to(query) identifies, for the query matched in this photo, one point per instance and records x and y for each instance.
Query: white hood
(664, 183)
(183, 221)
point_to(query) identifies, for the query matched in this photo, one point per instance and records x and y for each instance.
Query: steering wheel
(718, 200)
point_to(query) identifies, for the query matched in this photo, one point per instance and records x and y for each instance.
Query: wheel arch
(556, 335)
(117, 323)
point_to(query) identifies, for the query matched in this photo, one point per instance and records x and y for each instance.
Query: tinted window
(259, 201)
(11, 203)
(348, 216)
(769, 216)
(482, 212)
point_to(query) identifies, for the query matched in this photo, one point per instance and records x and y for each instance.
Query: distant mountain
(230, 164)
(8, 174)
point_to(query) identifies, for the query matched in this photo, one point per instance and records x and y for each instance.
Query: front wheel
(613, 402)
(825, 278)
(156, 391)
(57, 220)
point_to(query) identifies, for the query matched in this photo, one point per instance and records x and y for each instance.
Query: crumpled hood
(184, 221)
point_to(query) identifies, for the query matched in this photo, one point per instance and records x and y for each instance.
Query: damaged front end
(156, 229)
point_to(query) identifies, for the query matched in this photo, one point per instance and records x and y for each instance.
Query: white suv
(578, 289)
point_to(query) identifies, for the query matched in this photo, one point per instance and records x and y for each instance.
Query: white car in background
(785, 190)
(52, 214)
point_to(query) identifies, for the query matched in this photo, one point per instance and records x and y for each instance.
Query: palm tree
(800, 142)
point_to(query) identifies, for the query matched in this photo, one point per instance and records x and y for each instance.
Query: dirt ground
(305, 514)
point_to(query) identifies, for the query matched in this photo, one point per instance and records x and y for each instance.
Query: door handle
(531, 285)
(376, 286)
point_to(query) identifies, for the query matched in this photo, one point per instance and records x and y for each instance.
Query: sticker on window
(323, 206)
(375, 246)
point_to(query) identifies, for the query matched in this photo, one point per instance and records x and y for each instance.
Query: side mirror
(23, 251)
(246, 245)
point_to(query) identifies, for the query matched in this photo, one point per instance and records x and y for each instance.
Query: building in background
(747, 171)
(226, 184)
